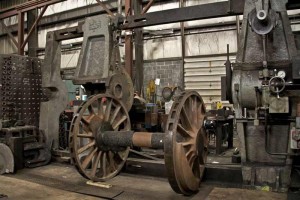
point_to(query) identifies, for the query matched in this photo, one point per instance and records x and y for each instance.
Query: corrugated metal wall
(204, 76)
(205, 60)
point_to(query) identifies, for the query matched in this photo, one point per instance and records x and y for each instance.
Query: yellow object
(265, 188)
(151, 91)
(219, 105)
(99, 184)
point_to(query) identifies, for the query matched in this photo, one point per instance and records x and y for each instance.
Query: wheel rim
(101, 112)
(186, 143)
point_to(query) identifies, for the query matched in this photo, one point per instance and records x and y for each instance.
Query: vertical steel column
(31, 30)
(33, 38)
(128, 42)
(238, 30)
(20, 32)
(182, 30)
(139, 50)
(120, 6)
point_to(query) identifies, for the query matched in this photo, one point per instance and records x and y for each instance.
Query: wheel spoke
(111, 161)
(190, 100)
(118, 123)
(189, 143)
(95, 164)
(100, 107)
(89, 158)
(104, 164)
(114, 115)
(185, 119)
(120, 156)
(87, 119)
(107, 111)
(192, 159)
(86, 147)
(183, 131)
(88, 135)
(189, 153)
(195, 113)
(85, 128)
(91, 110)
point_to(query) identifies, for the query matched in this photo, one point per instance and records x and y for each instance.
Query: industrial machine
(25, 97)
(263, 86)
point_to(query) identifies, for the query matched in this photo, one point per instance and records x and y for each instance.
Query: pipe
(238, 30)
(120, 7)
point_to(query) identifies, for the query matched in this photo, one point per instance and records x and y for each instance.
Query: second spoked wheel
(101, 137)
(186, 143)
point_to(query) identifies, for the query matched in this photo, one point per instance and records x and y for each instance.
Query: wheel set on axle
(100, 138)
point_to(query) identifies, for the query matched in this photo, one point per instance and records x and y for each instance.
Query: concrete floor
(17, 189)
(59, 181)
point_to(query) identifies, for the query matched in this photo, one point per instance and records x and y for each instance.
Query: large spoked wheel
(186, 143)
(93, 160)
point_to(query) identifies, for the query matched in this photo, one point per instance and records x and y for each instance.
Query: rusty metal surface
(142, 139)
(100, 113)
(186, 143)
(120, 86)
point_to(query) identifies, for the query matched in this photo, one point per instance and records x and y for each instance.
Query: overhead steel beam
(205, 11)
(30, 5)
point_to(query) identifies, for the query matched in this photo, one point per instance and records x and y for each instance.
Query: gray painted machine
(264, 88)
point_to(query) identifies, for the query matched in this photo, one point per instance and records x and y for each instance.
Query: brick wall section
(170, 73)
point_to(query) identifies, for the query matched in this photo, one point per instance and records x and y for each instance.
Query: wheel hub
(105, 126)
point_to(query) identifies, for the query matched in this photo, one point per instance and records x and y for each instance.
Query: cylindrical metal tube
(146, 139)
(130, 138)
(141, 139)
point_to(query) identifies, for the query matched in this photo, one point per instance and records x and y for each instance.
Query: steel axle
(115, 139)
